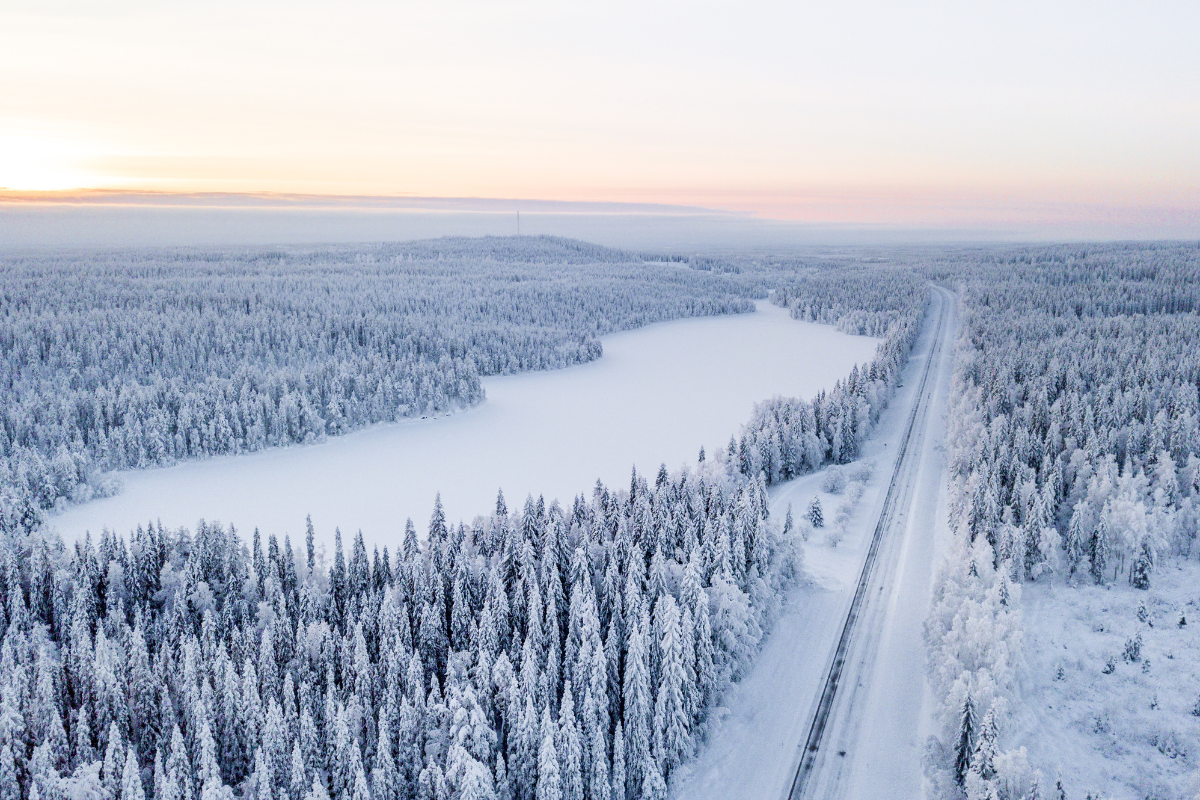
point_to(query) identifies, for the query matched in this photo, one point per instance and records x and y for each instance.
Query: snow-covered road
(872, 734)
(870, 741)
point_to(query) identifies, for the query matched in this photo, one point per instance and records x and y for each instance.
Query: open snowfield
(752, 749)
(655, 396)
(1131, 732)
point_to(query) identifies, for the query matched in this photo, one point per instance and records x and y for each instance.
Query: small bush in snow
(834, 480)
(1169, 745)
(861, 471)
(1133, 649)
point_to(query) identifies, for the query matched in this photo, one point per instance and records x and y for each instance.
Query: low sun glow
(35, 163)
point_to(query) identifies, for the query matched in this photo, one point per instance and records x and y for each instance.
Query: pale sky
(886, 112)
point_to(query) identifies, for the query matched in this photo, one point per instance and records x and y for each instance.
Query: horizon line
(397, 201)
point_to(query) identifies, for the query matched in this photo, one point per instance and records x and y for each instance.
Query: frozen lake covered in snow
(656, 396)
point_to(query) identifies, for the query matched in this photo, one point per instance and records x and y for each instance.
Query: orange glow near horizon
(921, 208)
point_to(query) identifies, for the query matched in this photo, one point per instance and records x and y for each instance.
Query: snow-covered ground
(655, 396)
(1130, 732)
(753, 745)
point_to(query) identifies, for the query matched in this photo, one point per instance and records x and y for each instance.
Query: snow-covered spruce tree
(964, 747)
(816, 517)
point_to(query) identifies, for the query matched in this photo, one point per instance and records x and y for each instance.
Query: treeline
(787, 437)
(557, 654)
(131, 359)
(1075, 457)
(696, 261)
(859, 299)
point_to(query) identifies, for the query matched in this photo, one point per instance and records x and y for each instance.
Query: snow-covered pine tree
(816, 517)
(549, 780)
(1101, 549)
(569, 748)
(672, 739)
(298, 777)
(262, 778)
(619, 775)
(317, 792)
(114, 761)
(1143, 565)
(1077, 539)
(9, 786)
(964, 748)
(637, 715)
(654, 786)
(361, 790)
(983, 761)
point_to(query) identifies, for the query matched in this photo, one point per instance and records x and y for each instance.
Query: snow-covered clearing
(1119, 724)
(655, 396)
(752, 749)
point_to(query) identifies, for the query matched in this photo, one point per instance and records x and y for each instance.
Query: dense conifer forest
(1075, 459)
